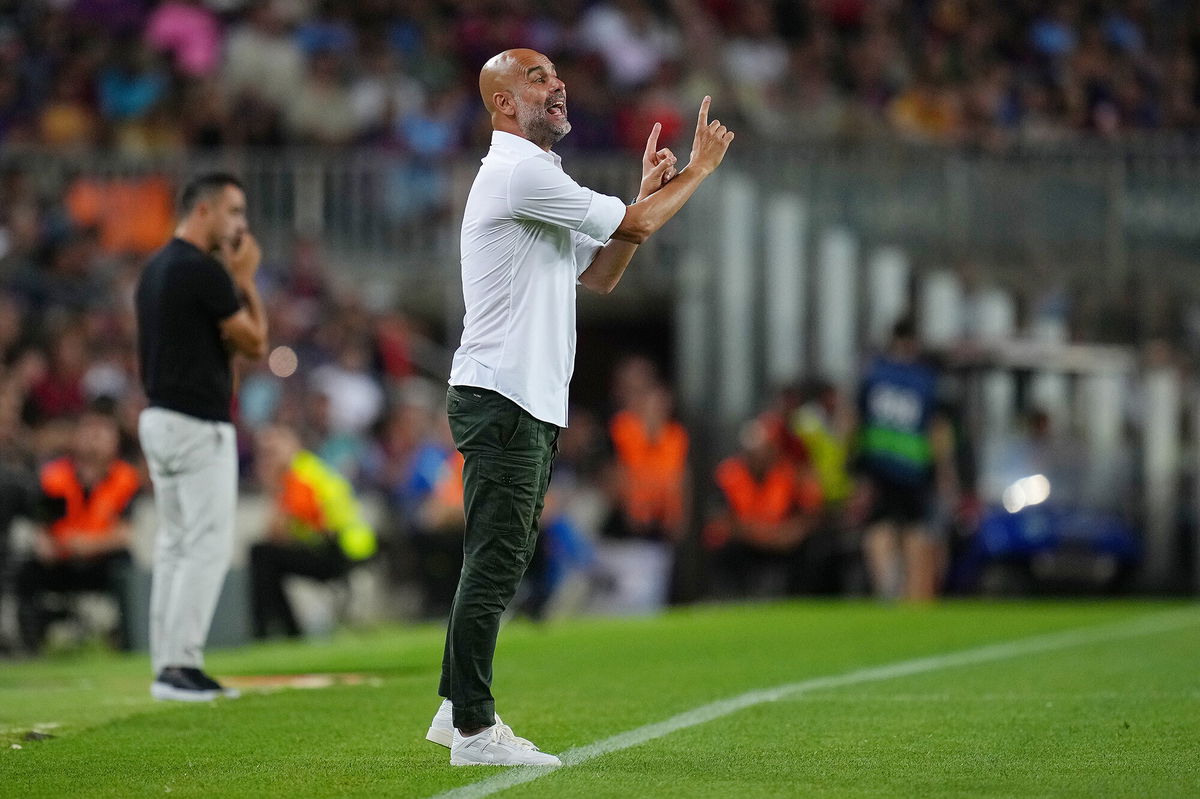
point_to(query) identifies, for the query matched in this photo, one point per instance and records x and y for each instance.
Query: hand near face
(242, 257)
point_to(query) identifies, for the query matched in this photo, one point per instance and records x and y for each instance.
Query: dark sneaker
(176, 683)
(201, 678)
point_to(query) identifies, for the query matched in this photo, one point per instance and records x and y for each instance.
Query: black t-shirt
(182, 297)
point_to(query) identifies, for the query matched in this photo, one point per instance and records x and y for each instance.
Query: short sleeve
(213, 289)
(585, 251)
(538, 190)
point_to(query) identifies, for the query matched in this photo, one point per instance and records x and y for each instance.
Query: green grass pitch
(915, 705)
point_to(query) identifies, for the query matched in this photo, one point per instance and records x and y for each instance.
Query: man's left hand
(658, 165)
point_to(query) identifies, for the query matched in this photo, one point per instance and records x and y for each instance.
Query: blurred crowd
(161, 77)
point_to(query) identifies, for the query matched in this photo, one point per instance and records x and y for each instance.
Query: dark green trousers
(507, 456)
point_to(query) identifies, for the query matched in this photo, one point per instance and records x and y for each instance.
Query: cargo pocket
(507, 493)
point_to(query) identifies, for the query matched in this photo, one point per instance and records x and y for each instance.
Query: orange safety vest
(94, 515)
(654, 470)
(297, 500)
(779, 495)
(449, 487)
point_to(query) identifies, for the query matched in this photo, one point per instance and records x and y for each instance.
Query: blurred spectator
(130, 86)
(315, 531)
(383, 93)
(190, 32)
(206, 120)
(87, 498)
(69, 121)
(261, 59)
(321, 111)
(634, 377)
(355, 398)
(656, 102)
(821, 424)
(771, 504)
(927, 111)
(756, 57)
(59, 393)
(633, 40)
(341, 449)
(905, 451)
(400, 433)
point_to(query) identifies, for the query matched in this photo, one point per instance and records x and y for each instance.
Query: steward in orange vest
(87, 497)
(650, 486)
(771, 504)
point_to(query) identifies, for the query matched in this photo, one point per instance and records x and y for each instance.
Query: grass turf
(1112, 718)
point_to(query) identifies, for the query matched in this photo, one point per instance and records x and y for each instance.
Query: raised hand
(711, 141)
(658, 166)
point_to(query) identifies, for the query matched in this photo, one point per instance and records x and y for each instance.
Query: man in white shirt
(529, 234)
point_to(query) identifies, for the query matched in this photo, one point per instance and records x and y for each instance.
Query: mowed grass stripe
(1143, 626)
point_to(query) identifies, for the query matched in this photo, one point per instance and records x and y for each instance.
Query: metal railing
(1098, 209)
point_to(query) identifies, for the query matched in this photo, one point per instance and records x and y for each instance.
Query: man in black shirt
(197, 305)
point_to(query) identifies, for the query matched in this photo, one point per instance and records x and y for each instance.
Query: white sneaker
(497, 746)
(441, 729)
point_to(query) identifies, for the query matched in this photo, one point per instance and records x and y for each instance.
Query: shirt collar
(510, 143)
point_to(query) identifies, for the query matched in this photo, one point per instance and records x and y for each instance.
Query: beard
(539, 127)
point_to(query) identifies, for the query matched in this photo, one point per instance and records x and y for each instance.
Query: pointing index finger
(652, 142)
(703, 122)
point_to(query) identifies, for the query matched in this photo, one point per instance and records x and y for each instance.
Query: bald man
(529, 235)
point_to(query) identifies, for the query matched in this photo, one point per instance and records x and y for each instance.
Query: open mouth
(557, 109)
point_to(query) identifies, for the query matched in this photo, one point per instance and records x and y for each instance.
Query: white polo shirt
(528, 232)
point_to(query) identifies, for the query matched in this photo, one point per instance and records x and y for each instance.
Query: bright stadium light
(1037, 489)
(1026, 492)
(1014, 497)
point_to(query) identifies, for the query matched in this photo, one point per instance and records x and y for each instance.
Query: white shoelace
(502, 733)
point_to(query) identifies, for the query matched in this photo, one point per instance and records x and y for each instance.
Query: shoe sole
(454, 762)
(439, 736)
(169, 693)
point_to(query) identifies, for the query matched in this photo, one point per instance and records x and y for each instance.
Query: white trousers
(193, 465)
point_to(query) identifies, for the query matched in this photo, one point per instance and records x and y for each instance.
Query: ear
(504, 103)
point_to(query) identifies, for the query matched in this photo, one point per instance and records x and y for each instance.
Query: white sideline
(1145, 625)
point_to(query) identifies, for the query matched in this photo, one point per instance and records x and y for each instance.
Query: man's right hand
(245, 330)
(644, 218)
(711, 141)
(242, 259)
